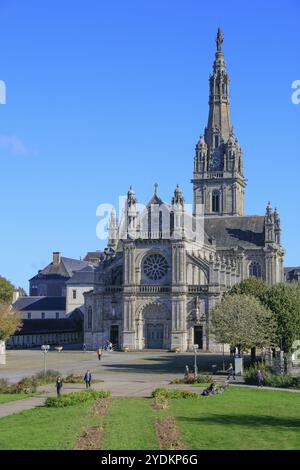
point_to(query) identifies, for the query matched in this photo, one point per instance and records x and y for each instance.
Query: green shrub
(73, 379)
(160, 403)
(203, 379)
(189, 379)
(50, 376)
(177, 381)
(4, 386)
(76, 398)
(26, 385)
(169, 393)
(270, 378)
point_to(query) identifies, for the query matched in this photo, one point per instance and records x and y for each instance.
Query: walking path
(135, 386)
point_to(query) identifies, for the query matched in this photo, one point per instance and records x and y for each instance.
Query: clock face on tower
(215, 161)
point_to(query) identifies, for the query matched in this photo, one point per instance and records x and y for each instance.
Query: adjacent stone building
(159, 279)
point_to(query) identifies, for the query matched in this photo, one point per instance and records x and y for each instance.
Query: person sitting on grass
(211, 390)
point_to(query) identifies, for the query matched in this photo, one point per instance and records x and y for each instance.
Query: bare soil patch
(168, 434)
(91, 436)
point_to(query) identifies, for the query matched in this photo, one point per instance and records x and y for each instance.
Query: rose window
(155, 267)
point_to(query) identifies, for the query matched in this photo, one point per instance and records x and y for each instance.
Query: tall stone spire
(218, 165)
(218, 127)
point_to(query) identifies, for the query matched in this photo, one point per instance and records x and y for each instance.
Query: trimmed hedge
(76, 398)
(168, 393)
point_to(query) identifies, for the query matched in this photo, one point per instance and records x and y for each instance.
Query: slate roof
(48, 326)
(292, 274)
(93, 256)
(40, 303)
(65, 268)
(229, 232)
(84, 276)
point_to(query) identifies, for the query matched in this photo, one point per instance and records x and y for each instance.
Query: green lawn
(44, 428)
(130, 424)
(6, 397)
(236, 419)
(240, 419)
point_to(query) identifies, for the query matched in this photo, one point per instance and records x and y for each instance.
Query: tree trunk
(253, 354)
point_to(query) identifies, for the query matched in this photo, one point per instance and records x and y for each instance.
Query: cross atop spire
(219, 39)
(155, 188)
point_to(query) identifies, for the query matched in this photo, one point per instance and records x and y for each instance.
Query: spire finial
(155, 188)
(220, 39)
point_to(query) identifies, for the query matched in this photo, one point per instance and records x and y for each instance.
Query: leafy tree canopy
(284, 301)
(6, 290)
(10, 321)
(242, 321)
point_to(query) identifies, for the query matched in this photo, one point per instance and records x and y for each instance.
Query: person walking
(260, 378)
(84, 347)
(88, 379)
(58, 385)
(231, 374)
(99, 353)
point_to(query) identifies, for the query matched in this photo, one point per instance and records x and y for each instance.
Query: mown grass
(236, 419)
(240, 419)
(130, 424)
(6, 397)
(44, 428)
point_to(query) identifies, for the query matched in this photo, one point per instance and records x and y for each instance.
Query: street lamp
(45, 348)
(195, 347)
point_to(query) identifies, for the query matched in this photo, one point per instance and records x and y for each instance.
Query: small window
(29, 316)
(90, 318)
(57, 315)
(215, 201)
(216, 141)
(43, 315)
(74, 294)
(254, 269)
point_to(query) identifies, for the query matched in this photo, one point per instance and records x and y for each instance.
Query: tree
(251, 286)
(10, 321)
(244, 322)
(6, 290)
(284, 301)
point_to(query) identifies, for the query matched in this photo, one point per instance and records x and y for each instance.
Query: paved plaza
(147, 366)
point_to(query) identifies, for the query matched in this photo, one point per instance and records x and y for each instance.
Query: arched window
(90, 318)
(254, 269)
(215, 201)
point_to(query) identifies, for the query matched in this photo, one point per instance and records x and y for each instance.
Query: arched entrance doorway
(156, 326)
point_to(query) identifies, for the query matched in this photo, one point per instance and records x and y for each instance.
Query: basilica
(163, 270)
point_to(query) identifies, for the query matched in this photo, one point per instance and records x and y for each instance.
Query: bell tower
(218, 179)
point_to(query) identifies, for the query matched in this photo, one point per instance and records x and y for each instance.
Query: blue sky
(104, 94)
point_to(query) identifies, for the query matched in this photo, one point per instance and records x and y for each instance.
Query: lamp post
(45, 348)
(195, 347)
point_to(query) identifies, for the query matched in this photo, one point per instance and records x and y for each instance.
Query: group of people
(108, 346)
(213, 389)
(87, 380)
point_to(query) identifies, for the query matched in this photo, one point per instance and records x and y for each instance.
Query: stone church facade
(158, 280)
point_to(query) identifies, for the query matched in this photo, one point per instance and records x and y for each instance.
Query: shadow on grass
(243, 420)
(170, 364)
